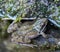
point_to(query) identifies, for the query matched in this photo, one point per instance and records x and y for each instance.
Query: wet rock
(52, 41)
(41, 41)
(58, 43)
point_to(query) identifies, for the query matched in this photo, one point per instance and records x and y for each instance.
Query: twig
(22, 19)
(29, 45)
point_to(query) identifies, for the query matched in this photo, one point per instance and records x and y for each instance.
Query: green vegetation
(24, 8)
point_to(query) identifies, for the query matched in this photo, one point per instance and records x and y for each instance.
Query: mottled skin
(27, 31)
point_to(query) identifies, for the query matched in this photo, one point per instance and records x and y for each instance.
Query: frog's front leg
(43, 34)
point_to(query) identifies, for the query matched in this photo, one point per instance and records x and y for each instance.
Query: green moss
(9, 9)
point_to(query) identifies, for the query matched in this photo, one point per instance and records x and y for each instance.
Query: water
(6, 46)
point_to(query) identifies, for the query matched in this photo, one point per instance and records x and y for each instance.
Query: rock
(58, 43)
(52, 41)
(41, 41)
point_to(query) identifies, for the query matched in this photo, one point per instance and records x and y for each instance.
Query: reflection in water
(26, 49)
(10, 47)
(3, 47)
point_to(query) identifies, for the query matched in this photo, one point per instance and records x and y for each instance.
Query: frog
(28, 30)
